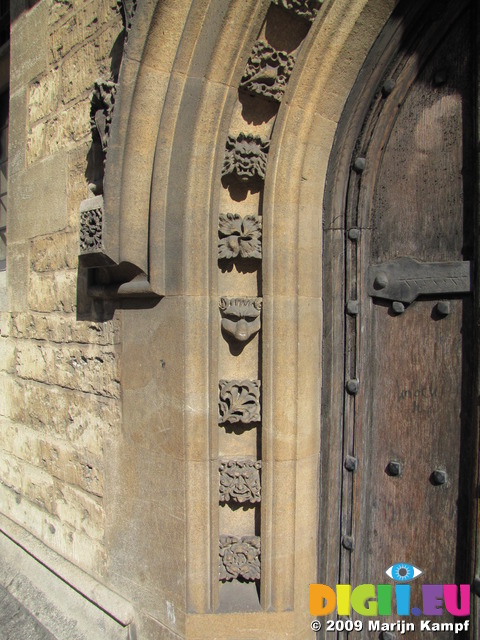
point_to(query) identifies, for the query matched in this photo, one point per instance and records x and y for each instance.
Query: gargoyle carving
(240, 481)
(239, 558)
(306, 9)
(239, 236)
(241, 317)
(246, 157)
(239, 401)
(267, 72)
(101, 110)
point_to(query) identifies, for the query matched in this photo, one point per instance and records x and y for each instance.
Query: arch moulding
(177, 105)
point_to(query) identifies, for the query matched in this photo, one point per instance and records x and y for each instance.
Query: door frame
(404, 30)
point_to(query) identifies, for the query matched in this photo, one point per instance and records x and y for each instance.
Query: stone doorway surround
(169, 179)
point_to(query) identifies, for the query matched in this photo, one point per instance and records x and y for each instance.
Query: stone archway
(178, 107)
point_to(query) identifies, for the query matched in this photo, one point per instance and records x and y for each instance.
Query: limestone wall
(59, 353)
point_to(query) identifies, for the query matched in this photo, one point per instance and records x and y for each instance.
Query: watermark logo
(386, 599)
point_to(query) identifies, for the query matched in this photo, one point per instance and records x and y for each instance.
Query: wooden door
(407, 417)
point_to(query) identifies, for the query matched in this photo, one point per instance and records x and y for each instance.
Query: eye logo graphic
(403, 572)
(383, 599)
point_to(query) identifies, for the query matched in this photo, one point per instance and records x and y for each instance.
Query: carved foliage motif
(246, 157)
(239, 558)
(91, 218)
(239, 236)
(240, 481)
(239, 401)
(102, 102)
(267, 72)
(307, 9)
(241, 317)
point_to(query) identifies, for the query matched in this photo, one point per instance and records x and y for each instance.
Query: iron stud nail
(352, 307)
(398, 307)
(394, 468)
(348, 543)
(352, 386)
(438, 477)
(351, 463)
(440, 77)
(388, 87)
(443, 307)
(381, 280)
(359, 164)
(353, 234)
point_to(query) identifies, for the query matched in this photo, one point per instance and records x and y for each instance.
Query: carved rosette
(239, 558)
(240, 481)
(91, 220)
(241, 317)
(306, 9)
(246, 157)
(267, 71)
(239, 236)
(239, 401)
(101, 110)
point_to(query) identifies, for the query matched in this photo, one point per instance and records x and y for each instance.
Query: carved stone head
(241, 317)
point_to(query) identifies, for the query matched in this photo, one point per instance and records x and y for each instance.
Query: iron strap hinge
(405, 279)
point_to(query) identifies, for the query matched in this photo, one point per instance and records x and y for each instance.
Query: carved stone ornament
(239, 236)
(102, 102)
(239, 558)
(239, 401)
(246, 157)
(127, 9)
(267, 72)
(240, 481)
(306, 9)
(241, 317)
(91, 219)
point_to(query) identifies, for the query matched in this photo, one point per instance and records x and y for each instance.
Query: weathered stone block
(21, 442)
(89, 368)
(63, 130)
(28, 45)
(38, 486)
(17, 130)
(12, 398)
(63, 329)
(43, 96)
(11, 471)
(54, 252)
(37, 200)
(81, 22)
(62, 461)
(81, 418)
(80, 510)
(5, 324)
(7, 354)
(53, 291)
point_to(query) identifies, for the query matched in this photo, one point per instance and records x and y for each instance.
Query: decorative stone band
(240, 481)
(239, 237)
(239, 558)
(306, 9)
(267, 72)
(239, 401)
(246, 157)
(241, 317)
